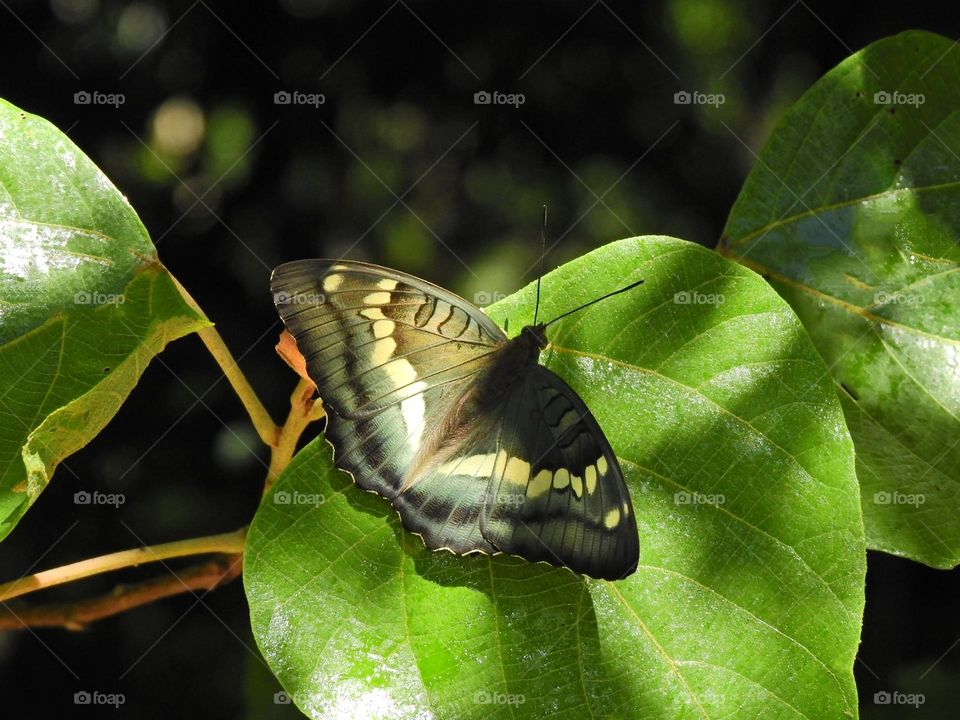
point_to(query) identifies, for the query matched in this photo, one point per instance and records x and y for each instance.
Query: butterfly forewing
(477, 446)
(388, 352)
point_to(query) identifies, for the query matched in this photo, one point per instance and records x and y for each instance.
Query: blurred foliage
(279, 182)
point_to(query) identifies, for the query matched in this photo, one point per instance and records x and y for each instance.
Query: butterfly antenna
(602, 297)
(543, 251)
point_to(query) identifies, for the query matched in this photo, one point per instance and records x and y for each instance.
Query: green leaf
(84, 305)
(748, 598)
(853, 213)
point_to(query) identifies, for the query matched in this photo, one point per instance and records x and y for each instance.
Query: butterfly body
(477, 446)
(508, 363)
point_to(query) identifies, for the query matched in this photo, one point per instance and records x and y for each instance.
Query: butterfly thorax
(536, 334)
(509, 362)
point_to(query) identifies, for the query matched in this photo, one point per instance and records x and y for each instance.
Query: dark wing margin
(389, 354)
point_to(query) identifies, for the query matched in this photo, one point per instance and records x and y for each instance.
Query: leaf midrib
(843, 304)
(813, 212)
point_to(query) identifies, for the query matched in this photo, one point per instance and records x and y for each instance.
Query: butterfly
(478, 447)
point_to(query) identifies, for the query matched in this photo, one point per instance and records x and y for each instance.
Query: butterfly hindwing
(388, 352)
(534, 477)
(560, 495)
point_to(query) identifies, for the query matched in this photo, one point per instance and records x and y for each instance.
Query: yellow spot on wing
(501, 465)
(517, 471)
(577, 484)
(400, 371)
(611, 519)
(602, 465)
(561, 478)
(382, 350)
(590, 475)
(377, 298)
(387, 284)
(383, 328)
(414, 412)
(540, 484)
(373, 314)
(332, 282)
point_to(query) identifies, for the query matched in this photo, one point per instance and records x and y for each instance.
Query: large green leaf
(84, 304)
(853, 213)
(749, 593)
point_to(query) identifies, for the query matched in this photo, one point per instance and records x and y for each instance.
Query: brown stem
(304, 409)
(227, 543)
(265, 426)
(77, 615)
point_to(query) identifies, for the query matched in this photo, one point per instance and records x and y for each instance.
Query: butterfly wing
(536, 478)
(390, 353)
(567, 502)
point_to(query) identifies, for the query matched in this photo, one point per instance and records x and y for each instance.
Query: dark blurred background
(398, 165)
